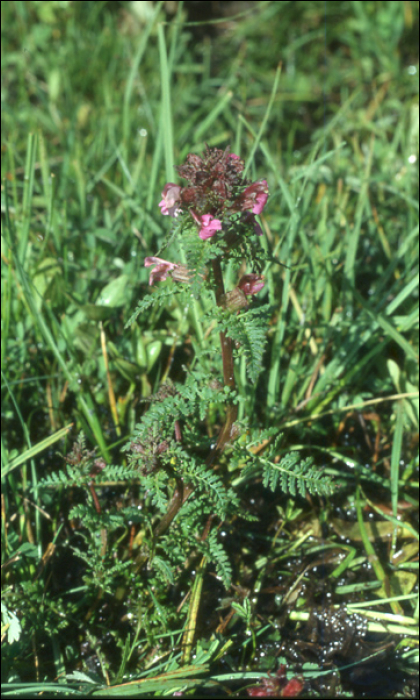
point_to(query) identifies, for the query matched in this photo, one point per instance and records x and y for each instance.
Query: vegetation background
(99, 101)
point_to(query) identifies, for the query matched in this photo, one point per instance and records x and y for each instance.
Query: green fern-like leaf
(159, 297)
(190, 401)
(215, 552)
(206, 481)
(295, 474)
(163, 568)
(57, 479)
(292, 474)
(156, 484)
(115, 473)
(91, 519)
(73, 477)
(174, 545)
(199, 254)
(249, 330)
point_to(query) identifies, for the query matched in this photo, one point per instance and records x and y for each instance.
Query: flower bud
(251, 284)
(235, 300)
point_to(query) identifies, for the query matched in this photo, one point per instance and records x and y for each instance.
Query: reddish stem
(95, 498)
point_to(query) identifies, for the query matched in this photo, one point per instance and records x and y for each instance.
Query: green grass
(98, 106)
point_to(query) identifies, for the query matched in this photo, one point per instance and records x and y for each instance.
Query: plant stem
(180, 494)
(228, 375)
(182, 491)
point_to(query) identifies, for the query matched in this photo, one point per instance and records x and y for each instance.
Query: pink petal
(261, 198)
(209, 226)
(161, 271)
(254, 197)
(170, 195)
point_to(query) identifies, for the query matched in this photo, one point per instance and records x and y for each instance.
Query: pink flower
(168, 205)
(161, 271)
(251, 284)
(179, 273)
(261, 196)
(253, 197)
(234, 156)
(208, 225)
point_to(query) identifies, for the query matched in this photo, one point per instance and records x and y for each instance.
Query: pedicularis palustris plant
(189, 464)
(190, 456)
